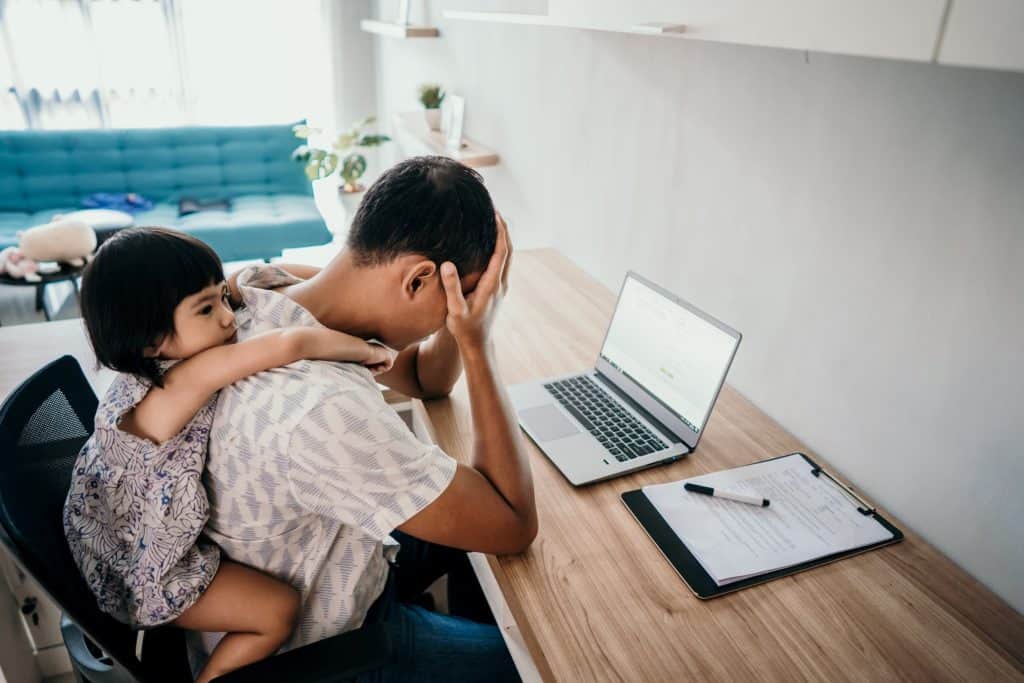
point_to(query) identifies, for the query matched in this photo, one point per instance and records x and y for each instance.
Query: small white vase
(433, 117)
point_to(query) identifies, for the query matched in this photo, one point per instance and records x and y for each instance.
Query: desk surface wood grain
(594, 598)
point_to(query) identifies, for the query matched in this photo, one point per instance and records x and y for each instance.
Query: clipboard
(694, 575)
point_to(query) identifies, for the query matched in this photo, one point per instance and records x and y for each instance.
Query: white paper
(809, 518)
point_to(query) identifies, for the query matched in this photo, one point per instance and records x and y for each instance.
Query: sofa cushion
(41, 169)
(256, 226)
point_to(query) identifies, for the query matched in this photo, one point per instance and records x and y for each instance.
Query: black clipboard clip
(862, 505)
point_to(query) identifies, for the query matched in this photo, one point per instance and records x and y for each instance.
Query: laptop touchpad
(547, 423)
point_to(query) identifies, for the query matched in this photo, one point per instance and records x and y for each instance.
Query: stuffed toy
(13, 263)
(68, 241)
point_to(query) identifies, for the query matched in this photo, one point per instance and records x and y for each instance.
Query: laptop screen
(675, 354)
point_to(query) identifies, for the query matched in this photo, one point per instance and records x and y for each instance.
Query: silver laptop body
(648, 398)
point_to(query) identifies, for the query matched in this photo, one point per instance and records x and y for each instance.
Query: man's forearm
(438, 364)
(499, 452)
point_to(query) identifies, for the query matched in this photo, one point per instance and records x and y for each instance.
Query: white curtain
(148, 63)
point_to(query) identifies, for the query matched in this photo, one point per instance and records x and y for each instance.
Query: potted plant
(322, 162)
(431, 97)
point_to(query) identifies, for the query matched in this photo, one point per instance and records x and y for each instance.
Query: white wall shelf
(393, 30)
(503, 18)
(648, 28)
(412, 127)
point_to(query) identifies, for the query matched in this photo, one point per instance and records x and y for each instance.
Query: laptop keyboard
(620, 433)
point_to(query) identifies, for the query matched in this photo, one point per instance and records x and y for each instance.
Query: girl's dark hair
(131, 288)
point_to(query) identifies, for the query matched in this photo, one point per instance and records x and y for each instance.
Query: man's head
(419, 214)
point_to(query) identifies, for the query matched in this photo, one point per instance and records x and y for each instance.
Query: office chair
(43, 424)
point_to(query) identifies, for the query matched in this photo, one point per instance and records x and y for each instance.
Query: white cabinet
(981, 33)
(39, 617)
(985, 33)
(907, 29)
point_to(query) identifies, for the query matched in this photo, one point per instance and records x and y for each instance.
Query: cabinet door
(985, 33)
(40, 616)
(907, 29)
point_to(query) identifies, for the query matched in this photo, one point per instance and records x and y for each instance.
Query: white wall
(861, 221)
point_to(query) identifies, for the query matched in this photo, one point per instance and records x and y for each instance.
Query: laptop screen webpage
(676, 355)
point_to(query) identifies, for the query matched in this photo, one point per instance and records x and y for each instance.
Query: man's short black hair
(131, 288)
(432, 206)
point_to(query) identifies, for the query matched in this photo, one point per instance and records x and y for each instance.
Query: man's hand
(489, 506)
(470, 318)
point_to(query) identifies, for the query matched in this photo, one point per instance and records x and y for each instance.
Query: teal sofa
(47, 172)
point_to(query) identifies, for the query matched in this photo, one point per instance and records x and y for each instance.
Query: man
(309, 471)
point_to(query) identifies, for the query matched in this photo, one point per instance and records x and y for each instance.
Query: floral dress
(135, 512)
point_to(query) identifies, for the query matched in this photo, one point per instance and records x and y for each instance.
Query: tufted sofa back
(49, 169)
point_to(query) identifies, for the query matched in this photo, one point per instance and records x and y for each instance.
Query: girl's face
(201, 321)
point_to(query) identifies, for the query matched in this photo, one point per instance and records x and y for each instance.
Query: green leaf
(431, 95)
(330, 163)
(353, 167)
(345, 140)
(300, 153)
(302, 131)
(372, 140)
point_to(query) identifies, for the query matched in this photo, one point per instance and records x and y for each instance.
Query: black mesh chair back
(43, 425)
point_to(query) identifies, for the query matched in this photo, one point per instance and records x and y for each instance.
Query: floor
(18, 304)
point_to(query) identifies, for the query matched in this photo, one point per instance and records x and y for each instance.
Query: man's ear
(418, 276)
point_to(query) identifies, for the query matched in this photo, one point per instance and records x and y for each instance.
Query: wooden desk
(593, 597)
(595, 600)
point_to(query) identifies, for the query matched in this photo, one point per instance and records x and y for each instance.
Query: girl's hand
(380, 359)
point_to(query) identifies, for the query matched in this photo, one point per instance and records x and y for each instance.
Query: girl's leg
(257, 611)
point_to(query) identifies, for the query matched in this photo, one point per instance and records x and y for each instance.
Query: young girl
(137, 507)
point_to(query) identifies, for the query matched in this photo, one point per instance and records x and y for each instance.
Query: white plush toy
(14, 264)
(69, 241)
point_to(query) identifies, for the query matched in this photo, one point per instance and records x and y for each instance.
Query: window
(147, 63)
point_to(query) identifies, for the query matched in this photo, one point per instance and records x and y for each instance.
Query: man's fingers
(453, 289)
(503, 227)
(492, 276)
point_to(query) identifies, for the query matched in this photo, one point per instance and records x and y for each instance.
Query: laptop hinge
(625, 398)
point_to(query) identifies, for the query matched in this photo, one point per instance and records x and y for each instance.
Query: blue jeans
(435, 647)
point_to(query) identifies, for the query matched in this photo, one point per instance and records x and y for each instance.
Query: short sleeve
(354, 459)
(266, 276)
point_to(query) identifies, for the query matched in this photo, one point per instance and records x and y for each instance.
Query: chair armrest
(326, 661)
(100, 669)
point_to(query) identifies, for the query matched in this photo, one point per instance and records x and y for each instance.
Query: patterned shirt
(309, 470)
(135, 511)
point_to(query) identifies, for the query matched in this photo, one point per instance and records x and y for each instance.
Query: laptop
(649, 396)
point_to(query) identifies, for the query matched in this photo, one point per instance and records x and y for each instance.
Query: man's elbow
(429, 394)
(430, 390)
(522, 539)
(530, 535)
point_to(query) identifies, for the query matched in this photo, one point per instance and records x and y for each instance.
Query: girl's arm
(164, 412)
(300, 271)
